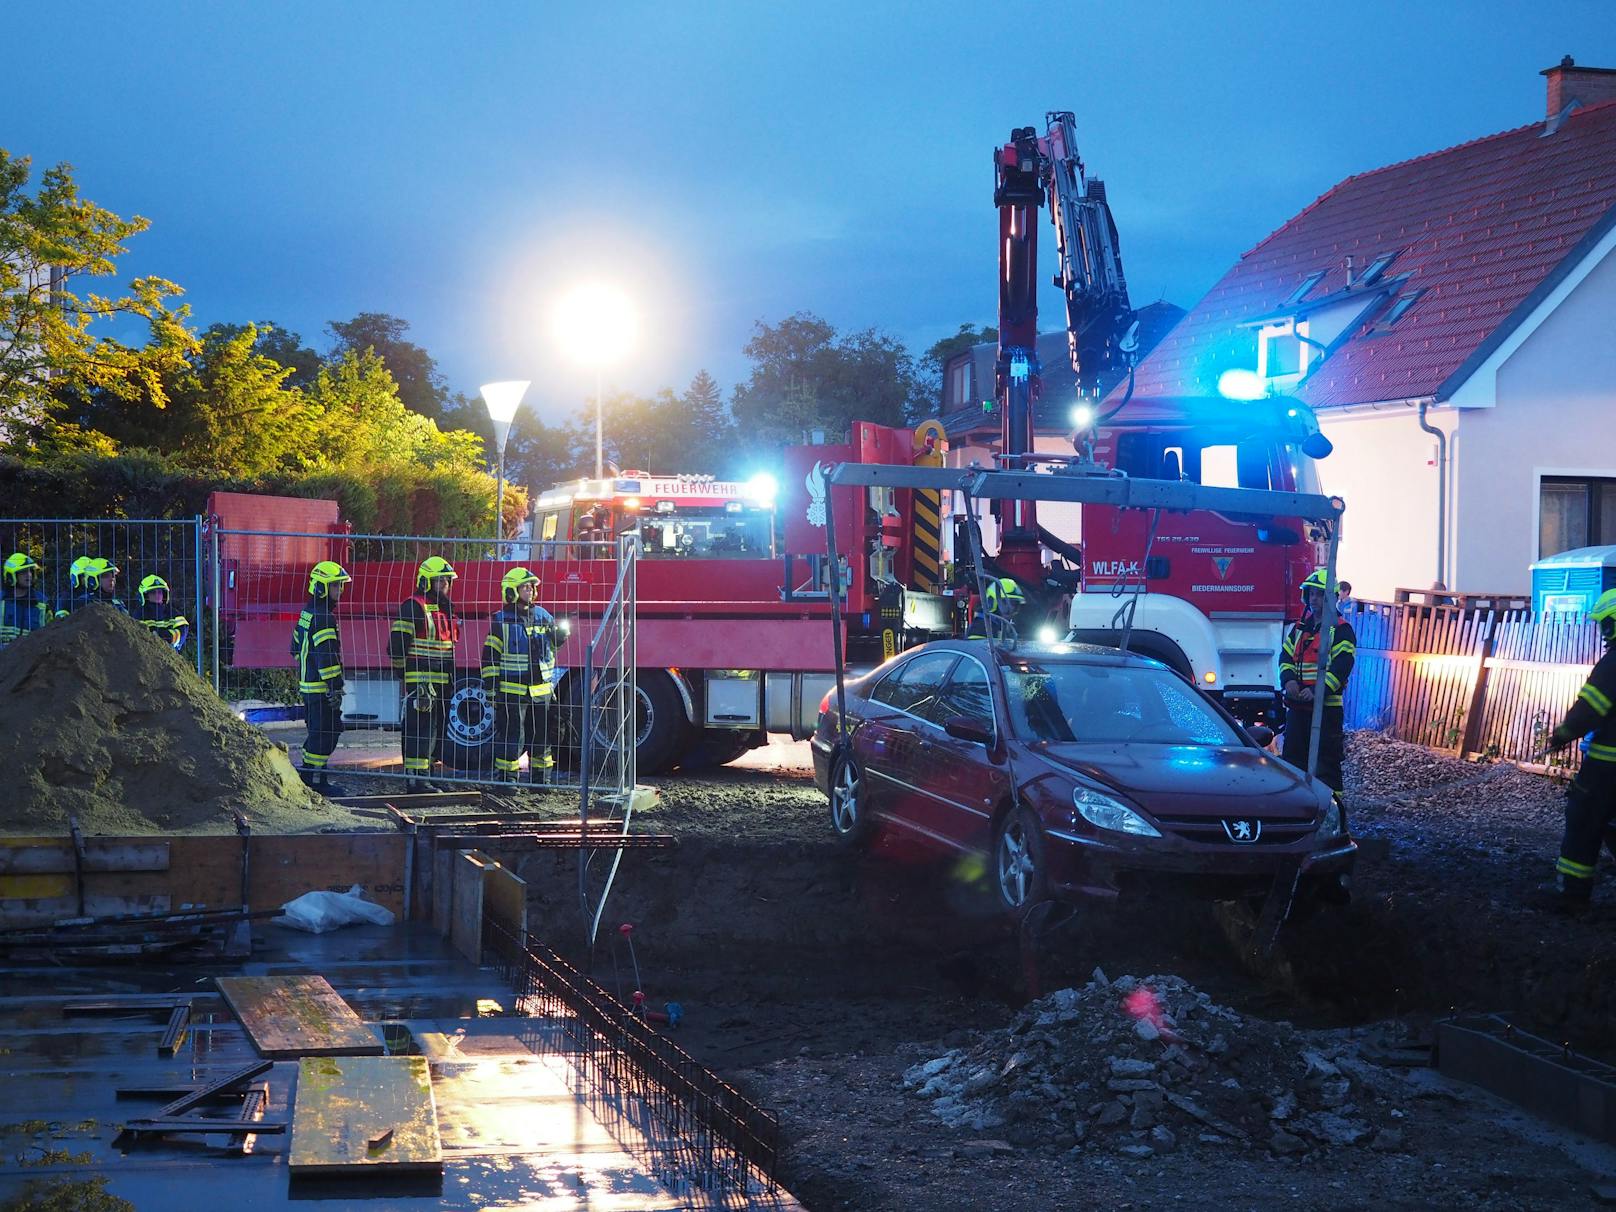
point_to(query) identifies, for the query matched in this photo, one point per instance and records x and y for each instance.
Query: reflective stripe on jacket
(1299, 659)
(163, 621)
(519, 653)
(318, 649)
(1595, 710)
(18, 616)
(422, 643)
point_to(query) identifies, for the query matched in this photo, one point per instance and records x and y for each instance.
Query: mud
(101, 721)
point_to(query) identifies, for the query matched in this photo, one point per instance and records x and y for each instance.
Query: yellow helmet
(1003, 591)
(1316, 580)
(514, 580)
(147, 584)
(431, 569)
(95, 569)
(324, 575)
(1603, 612)
(18, 562)
(75, 571)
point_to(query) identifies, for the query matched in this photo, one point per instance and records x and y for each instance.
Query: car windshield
(1065, 701)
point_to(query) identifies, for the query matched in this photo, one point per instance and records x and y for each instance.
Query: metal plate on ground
(292, 1016)
(365, 1114)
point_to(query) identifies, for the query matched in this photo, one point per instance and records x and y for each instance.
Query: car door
(962, 778)
(896, 734)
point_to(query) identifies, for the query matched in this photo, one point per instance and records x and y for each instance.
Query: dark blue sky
(460, 165)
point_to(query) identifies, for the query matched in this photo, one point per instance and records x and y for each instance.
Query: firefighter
(1591, 797)
(22, 606)
(317, 648)
(422, 648)
(1299, 680)
(519, 675)
(98, 583)
(75, 586)
(158, 616)
(1002, 599)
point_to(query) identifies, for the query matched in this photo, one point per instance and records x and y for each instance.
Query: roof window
(1308, 283)
(1398, 309)
(1378, 267)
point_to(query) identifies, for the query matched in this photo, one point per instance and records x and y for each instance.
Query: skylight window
(1376, 268)
(1308, 283)
(1399, 309)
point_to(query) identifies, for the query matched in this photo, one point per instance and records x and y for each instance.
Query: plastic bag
(317, 912)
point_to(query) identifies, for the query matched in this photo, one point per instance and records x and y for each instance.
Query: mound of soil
(100, 720)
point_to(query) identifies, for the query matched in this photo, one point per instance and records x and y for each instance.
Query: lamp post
(596, 323)
(502, 399)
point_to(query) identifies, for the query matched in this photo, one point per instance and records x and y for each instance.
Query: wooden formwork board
(160, 874)
(365, 1114)
(296, 1016)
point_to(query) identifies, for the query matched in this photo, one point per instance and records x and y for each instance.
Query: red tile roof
(1485, 229)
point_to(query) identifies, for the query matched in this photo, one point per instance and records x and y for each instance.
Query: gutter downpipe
(1442, 495)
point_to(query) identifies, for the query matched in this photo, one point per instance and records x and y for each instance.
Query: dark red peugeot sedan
(1077, 770)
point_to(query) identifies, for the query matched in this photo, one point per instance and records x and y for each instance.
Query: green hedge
(451, 501)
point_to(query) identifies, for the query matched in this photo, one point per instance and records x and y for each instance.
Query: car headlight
(1330, 824)
(1103, 812)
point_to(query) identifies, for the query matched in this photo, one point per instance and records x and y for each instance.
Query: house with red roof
(1452, 321)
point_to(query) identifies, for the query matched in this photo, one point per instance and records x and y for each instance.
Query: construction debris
(1146, 1066)
(99, 722)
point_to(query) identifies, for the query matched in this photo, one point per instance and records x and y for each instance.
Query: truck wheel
(714, 747)
(468, 731)
(660, 726)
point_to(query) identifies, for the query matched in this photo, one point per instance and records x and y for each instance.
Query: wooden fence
(1468, 682)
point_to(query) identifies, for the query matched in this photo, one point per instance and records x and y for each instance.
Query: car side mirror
(1262, 734)
(962, 728)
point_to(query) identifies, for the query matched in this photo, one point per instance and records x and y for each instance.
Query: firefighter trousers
(1590, 813)
(323, 714)
(1332, 741)
(425, 715)
(521, 725)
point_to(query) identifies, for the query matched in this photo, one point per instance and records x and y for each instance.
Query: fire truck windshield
(708, 533)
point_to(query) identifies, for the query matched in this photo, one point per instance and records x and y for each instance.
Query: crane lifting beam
(1124, 492)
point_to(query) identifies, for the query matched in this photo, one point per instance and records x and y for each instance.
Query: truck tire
(711, 747)
(468, 731)
(660, 724)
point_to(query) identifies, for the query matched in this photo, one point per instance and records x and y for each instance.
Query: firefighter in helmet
(422, 648)
(317, 648)
(22, 605)
(98, 583)
(519, 675)
(157, 614)
(1591, 797)
(1300, 664)
(1002, 598)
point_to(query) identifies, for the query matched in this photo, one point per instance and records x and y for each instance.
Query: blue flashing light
(1240, 384)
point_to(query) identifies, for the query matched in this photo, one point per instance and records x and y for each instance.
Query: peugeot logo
(1243, 832)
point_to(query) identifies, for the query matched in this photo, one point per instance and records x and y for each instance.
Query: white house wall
(1384, 467)
(1556, 415)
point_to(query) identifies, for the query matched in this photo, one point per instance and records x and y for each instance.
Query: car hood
(1191, 780)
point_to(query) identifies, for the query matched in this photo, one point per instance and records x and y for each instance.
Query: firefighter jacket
(317, 648)
(164, 622)
(1594, 712)
(1299, 659)
(20, 615)
(422, 644)
(88, 598)
(519, 653)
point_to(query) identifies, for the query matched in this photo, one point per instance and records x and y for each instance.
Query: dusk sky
(460, 166)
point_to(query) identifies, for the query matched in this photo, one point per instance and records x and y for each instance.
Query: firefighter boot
(1559, 900)
(329, 789)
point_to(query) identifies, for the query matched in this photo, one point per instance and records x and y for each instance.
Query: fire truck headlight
(1046, 635)
(1082, 416)
(761, 488)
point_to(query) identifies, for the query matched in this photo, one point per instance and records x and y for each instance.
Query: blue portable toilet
(1571, 582)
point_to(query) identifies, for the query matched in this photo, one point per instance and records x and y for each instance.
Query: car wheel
(849, 808)
(1019, 873)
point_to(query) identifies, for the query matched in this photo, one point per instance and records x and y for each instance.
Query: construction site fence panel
(467, 733)
(138, 547)
(1469, 681)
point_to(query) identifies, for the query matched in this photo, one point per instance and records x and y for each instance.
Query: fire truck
(733, 595)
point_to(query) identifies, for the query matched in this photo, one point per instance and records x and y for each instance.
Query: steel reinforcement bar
(690, 1125)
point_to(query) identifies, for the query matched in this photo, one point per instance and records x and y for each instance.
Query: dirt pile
(1153, 1065)
(100, 720)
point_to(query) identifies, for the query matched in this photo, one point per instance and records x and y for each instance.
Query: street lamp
(503, 399)
(596, 322)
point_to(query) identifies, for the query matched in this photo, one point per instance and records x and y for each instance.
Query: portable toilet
(1570, 582)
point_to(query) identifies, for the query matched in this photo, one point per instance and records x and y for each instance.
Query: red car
(1079, 771)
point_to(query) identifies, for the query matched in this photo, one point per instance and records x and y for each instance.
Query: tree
(49, 240)
(362, 423)
(280, 345)
(935, 358)
(420, 385)
(232, 412)
(805, 376)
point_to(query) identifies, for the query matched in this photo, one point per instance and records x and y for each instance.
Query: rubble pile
(100, 720)
(1153, 1065)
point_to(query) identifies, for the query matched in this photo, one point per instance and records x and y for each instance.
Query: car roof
(1046, 652)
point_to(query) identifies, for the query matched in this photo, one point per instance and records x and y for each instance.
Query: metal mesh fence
(138, 547)
(458, 726)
